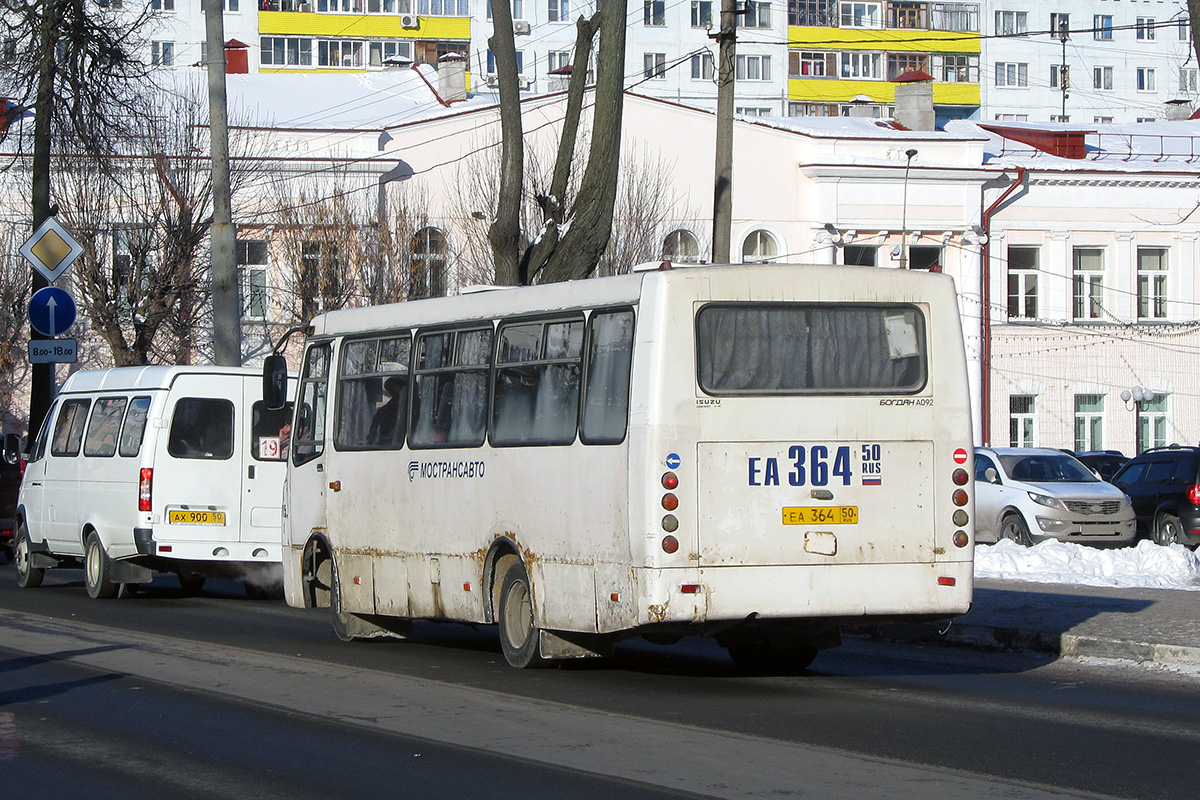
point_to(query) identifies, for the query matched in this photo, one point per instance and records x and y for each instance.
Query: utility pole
(227, 312)
(726, 37)
(1064, 72)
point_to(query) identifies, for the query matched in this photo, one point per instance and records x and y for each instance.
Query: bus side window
(537, 383)
(68, 430)
(606, 395)
(450, 398)
(134, 427)
(104, 426)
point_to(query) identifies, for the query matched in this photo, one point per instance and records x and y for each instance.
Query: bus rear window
(801, 348)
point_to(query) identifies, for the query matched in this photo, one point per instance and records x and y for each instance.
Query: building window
(861, 15)
(955, 16)
(757, 15)
(444, 8)
(518, 8)
(1102, 120)
(702, 15)
(1145, 29)
(808, 64)
(162, 54)
(956, 68)
(813, 13)
(681, 247)
(759, 247)
(813, 110)
(900, 63)
(491, 62)
(1152, 423)
(1102, 77)
(1188, 80)
(1060, 117)
(861, 65)
(859, 255)
(1152, 282)
(557, 59)
(1012, 23)
(702, 66)
(1012, 74)
(753, 68)
(231, 6)
(1089, 422)
(1060, 25)
(290, 51)
(654, 65)
(162, 5)
(1020, 420)
(252, 270)
(383, 52)
(339, 53)
(427, 264)
(752, 111)
(1102, 27)
(908, 15)
(1012, 117)
(1145, 79)
(654, 12)
(1185, 29)
(1088, 283)
(925, 257)
(1023, 282)
(558, 10)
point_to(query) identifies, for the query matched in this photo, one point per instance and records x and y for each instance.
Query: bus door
(307, 480)
(819, 451)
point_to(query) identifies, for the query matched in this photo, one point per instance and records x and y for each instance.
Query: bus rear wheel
(518, 633)
(28, 576)
(96, 569)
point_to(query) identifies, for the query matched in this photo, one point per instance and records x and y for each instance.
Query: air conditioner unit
(409, 21)
(304, 8)
(525, 83)
(520, 26)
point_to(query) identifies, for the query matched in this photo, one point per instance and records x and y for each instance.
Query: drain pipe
(985, 296)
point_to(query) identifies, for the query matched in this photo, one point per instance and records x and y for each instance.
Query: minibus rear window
(201, 427)
(808, 348)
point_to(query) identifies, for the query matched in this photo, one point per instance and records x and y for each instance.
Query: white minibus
(144, 469)
(762, 454)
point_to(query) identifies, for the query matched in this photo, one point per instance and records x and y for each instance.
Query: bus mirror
(275, 382)
(12, 448)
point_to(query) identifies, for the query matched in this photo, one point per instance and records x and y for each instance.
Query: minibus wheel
(518, 633)
(96, 569)
(28, 576)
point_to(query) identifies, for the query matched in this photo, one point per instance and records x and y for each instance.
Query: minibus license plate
(820, 515)
(196, 517)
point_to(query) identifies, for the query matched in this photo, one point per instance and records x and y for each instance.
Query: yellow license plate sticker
(190, 517)
(820, 515)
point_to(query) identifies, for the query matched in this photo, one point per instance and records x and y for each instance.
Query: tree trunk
(504, 234)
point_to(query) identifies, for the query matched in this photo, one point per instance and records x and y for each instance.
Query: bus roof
(146, 377)
(608, 291)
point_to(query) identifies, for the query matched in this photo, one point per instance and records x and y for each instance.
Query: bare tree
(14, 330)
(572, 238)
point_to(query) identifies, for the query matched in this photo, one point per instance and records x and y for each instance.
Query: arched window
(427, 265)
(759, 246)
(681, 247)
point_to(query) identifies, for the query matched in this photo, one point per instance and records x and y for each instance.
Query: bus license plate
(196, 517)
(820, 515)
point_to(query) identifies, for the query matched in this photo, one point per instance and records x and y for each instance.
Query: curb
(1062, 645)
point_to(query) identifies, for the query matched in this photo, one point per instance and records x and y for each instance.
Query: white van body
(174, 469)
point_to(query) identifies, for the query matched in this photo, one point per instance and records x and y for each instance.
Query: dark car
(10, 484)
(1104, 463)
(1164, 485)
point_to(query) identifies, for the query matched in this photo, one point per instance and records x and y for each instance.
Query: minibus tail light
(144, 481)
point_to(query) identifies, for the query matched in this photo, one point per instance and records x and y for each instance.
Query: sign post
(51, 250)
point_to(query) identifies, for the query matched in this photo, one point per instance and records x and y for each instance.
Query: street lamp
(1138, 395)
(908, 156)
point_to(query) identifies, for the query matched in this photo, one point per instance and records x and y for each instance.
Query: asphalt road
(217, 695)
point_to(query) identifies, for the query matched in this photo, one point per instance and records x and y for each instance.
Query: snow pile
(1147, 566)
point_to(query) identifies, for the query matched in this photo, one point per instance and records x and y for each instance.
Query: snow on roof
(1132, 147)
(857, 128)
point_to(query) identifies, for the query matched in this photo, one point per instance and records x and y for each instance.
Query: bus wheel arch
(317, 573)
(500, 557)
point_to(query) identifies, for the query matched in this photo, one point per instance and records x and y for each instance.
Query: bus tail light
(690, 588)
(961, 539)
(670, 502)
(670, 481)
(960, 477)
(944, 581)
(960, 497)
(670, 544)
(145, 478)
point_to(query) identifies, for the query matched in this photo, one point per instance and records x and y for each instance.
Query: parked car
(1032, 494)
(1164, 484)
(10, 485)
(1104, 463)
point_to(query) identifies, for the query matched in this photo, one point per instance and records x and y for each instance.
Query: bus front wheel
(518, 633)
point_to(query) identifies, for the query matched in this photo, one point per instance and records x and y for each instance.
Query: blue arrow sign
(51, 311)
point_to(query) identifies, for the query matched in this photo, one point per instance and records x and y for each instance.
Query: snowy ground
(1145, 566)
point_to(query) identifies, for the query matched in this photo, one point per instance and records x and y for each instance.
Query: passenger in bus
(388, 417)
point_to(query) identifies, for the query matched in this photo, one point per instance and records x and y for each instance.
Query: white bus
(144, 469)
(760, 454)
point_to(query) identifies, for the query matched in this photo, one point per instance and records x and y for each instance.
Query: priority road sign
(51, 249)
(51, 311)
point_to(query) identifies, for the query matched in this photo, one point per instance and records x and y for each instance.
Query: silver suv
(1031, 494)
